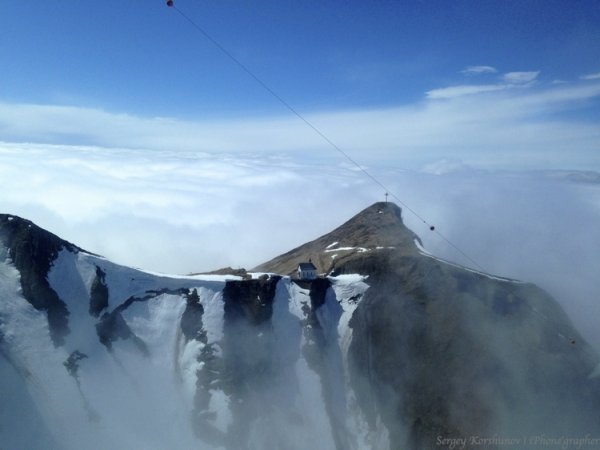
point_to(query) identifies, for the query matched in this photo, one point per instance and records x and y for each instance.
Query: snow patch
(71, 282)
(349, 290)
(298, 299)
(219, 404)
(214, 310)
(156, 322)
(347, 249)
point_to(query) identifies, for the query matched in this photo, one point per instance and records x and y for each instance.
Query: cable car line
(511, 288)
(323, 136)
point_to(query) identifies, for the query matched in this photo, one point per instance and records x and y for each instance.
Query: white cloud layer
(477, 70)
(497, 125)
(188, 211)
(591, 76)
(460, 91)
(168, 210)
(520, 77)
(509, 80)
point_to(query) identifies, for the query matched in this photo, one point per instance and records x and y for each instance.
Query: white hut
(307, 270)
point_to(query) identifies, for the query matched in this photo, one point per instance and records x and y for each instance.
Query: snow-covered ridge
(143, 390)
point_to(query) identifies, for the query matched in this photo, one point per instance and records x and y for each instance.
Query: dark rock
(32, 251)
(248, 365)
(72, 363)
(250, 299)
(98, 293)
(112, 327)
(318, 290)
(191, 320)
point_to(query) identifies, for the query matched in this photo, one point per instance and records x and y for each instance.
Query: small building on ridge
(307, 270)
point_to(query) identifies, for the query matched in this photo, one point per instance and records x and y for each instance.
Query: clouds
(508, 80)
(520, 77)
(478, 70)
(90, 126)
(168, 210)
(459, 91)
(502, 124)
(591, 76)
(509, 77)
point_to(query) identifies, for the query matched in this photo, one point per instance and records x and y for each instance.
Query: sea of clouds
(182, 212)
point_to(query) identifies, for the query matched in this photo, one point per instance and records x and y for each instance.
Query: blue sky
(144, 59)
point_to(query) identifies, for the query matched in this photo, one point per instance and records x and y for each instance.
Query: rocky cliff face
(32, 251)
(395, 349)
(440, 352)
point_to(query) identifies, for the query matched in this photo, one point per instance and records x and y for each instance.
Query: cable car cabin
(169, 2)
(307, 271)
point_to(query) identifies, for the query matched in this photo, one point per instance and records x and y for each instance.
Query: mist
(530, 226)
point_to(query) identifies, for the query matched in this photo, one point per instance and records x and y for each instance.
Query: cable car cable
(512, 288)
(318, 131)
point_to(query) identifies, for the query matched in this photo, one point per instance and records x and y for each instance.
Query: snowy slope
(142, 391)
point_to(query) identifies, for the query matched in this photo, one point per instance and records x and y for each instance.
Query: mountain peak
(378, 227)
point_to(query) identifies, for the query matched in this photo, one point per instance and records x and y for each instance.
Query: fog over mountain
(187, 212)
(391, 347)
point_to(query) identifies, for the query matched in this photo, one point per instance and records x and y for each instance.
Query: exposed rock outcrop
(250, 299)
(32, 251)
(191, 319)
(98, 293)
(112, 327)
